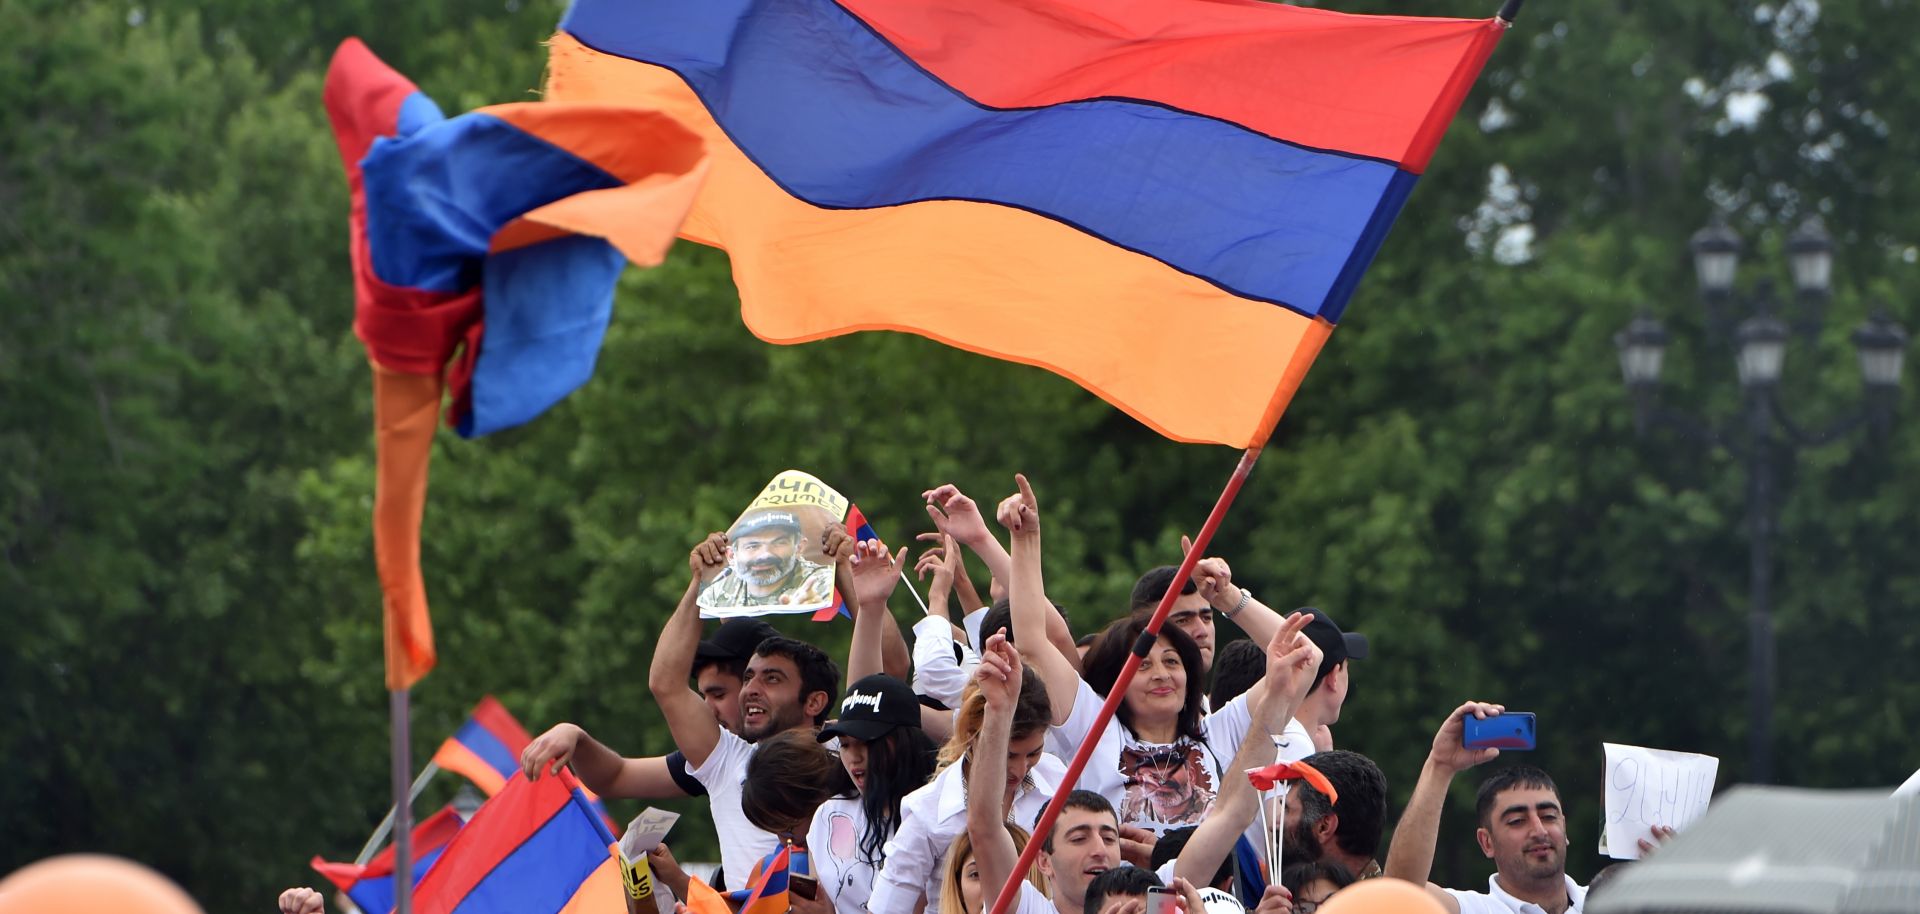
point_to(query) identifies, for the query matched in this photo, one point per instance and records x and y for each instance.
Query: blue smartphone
(1510, 730)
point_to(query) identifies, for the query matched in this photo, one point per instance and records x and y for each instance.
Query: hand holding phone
(1160, 901)
(804, 886)
(1511, 731)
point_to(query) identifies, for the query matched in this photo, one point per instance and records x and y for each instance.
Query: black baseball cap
(1335, 645)
(873, 708)
(766, 520)
(735, 640)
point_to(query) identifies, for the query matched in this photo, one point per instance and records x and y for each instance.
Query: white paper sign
(646, 832)
(1648, 787)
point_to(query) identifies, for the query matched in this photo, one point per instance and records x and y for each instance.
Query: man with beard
(719, 667)
(790, 685)
(1346, 832)
(765, 567)
(1175, 787)
(1523, 829)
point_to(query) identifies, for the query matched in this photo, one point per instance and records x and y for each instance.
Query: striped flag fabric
(1170, 202)
(856, 524)
(486, 749)
(769, 892)
(370, 885)
(536, 847)
(497, 234)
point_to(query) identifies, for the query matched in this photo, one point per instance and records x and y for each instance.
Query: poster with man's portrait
(774, 562)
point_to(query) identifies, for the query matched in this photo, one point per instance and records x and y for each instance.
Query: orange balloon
(91, 884)
(1382, 896)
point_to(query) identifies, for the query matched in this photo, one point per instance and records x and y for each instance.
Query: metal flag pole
(1115, 695)
(386, 825)
(402, 804)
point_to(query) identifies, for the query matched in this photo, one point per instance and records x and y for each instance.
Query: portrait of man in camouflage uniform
(765, 566)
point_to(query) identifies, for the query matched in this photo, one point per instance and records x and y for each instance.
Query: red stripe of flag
(512, 816)
(494, 717)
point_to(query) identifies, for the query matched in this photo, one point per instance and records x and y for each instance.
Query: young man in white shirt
(790, 685)
(1085, 839)
(1523, 829)
(719, 666)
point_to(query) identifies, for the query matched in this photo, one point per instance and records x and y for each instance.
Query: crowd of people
(915, 789)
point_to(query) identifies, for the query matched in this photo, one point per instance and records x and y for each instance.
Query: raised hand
(1276, 900)
(954, 513)
(837, 544)
(999, 673)
(708, 557)
(1136, 846)
(1448, 749)
(1212, 578)
(939, 560)
(1189, 896)
(1020, 512)
(875, 572)
(1292, 659)
(550, 751)
(302, 900)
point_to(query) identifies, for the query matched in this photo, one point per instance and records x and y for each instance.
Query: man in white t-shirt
(790, 685)
(1523, 828)
(719, 666)
(1084, 841)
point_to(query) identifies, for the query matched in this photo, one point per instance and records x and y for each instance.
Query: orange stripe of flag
(1186, 358)
(405, 412)
(458, 759)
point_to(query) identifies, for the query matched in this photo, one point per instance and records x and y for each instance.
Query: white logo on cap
(855, 700)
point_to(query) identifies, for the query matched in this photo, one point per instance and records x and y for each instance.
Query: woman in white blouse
(1158, 760)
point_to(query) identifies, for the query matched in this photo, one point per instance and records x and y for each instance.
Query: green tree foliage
(191, 615)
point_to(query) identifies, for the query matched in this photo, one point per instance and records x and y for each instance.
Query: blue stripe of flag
(543, 873)
(460, 183)
(375, 895)
(488, 747)
(840, 118)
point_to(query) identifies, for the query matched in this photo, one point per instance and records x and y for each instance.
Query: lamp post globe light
(1643, 349)
(1764, 434)
(1716, 256)
(1761, 345)
(1882, 345)
(1810, 258)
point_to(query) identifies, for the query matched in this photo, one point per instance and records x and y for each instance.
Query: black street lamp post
(1767, 434)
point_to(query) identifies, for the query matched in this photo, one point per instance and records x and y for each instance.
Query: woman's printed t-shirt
(846, 875)
(1152, 786)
